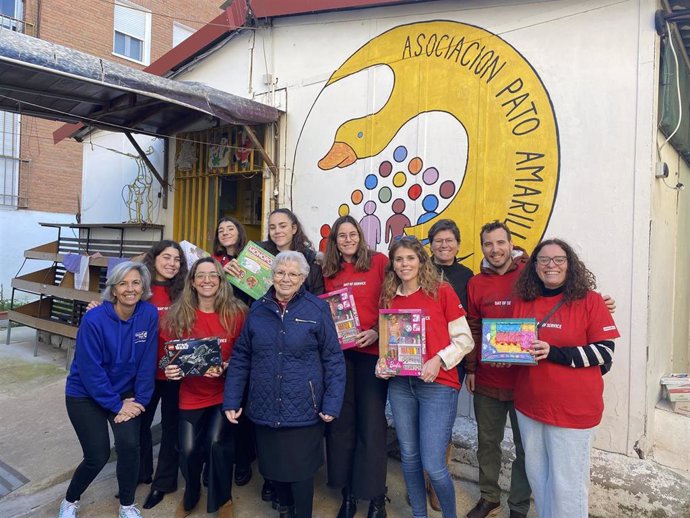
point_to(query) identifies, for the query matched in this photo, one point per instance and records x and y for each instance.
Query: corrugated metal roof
(50, 81)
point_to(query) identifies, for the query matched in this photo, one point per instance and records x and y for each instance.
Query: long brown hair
(578, 279)
(428, 276)
(219, 249)
(332, 258)
(181, 316)
(175, 286)
(300, 241)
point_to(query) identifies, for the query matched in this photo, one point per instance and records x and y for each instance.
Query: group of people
(286, 385)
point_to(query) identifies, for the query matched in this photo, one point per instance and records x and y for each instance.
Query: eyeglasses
(211, 276)
(406, 239)
(290, 275)
(558, 260)
(440, 242)
(352, 236)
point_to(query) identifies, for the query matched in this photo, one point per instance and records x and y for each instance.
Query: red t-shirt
(557, 394)
(438, 313)
(161, 299)
(366, 289)
(490, 296)
(199, 391)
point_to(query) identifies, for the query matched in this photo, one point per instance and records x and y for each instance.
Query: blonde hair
(428, 277)
(181, 317)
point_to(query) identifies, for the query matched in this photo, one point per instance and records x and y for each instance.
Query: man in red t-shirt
(489, 295)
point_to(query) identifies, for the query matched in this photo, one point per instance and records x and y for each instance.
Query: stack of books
(677, 390)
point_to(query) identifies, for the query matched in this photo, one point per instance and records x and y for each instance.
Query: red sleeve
(452, 308)
(600, 325)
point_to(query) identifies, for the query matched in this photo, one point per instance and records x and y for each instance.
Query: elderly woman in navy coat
(289, 353)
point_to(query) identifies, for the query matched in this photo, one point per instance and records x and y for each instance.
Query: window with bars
(9, 160)
(132, 32)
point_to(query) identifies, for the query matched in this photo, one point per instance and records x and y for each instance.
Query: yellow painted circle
(399, 179)
(513, 159)
(343, 210)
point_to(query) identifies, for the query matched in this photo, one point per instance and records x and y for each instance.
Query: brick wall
(51, 180)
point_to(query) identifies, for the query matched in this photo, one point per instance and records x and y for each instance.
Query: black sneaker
(485, 509)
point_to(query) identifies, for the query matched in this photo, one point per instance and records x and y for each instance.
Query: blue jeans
(557, 462)
(424, 414)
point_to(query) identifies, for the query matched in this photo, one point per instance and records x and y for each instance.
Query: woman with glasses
(356, 441)
(560, 402)
(424, 407)
(289, 355)
(206, 308)
(110, 383)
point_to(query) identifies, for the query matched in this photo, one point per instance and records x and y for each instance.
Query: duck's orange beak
(340, 155)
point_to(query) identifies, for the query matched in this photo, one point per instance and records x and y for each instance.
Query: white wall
(19, 231)
(106, 171)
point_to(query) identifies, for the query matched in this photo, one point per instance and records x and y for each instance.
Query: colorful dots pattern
(414, 192)
(357, 197)
(399, 179)
(447, 189)
(385, 169)
(400, 153)
(430, 176)
(415, 165)
(370, 182)
(385, 194)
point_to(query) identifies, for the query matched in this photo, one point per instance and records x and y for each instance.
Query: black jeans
(356, 441)
(168, 393)
(90, 421)
(206, 436)
(300, 494)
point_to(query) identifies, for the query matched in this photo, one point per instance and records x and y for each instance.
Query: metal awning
(46, 80)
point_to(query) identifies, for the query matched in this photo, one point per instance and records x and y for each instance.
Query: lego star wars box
(195, 356)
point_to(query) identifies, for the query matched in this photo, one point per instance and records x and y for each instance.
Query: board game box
(195, 356)
(508, 340)
(256, 276)
(402, 341)
(344, 312)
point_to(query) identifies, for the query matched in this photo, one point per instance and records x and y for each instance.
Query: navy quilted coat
(293, 363)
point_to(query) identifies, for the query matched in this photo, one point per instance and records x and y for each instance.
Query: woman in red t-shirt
(559, 402)
(424, 407)
(206, 308)
(356, 441)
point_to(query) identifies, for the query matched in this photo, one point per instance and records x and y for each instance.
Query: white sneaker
(68, 509)
(129, 511)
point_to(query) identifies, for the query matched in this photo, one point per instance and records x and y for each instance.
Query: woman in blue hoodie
(110, 383)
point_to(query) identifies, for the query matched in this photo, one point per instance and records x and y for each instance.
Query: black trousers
(206, 436)
(245, 437)
(356, 441)
(90, 421)
(300, 494)
(165, 479)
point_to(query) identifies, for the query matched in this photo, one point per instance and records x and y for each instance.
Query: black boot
(349, 506)
(377, 507)
(286, 511)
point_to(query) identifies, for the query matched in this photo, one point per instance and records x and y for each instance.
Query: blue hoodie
(114, 358)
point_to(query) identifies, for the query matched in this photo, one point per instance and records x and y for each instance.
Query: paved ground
(38, 442)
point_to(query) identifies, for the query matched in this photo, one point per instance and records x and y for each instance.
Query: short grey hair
(119, 272)
(290, 256)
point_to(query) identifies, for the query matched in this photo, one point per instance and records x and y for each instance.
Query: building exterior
(41, 180)
(545, 115)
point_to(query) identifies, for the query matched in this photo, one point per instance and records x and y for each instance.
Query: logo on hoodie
(140, 336)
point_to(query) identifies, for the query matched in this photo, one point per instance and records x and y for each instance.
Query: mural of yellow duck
(509, 169)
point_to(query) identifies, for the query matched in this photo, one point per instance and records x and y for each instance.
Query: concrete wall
(596, 62)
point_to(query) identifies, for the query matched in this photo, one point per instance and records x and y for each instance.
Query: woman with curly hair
(560, 402)
(356, 441)
(424, 407)
(206, 308)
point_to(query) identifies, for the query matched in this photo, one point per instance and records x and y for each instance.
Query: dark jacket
(292, 360)
(314, 281)
(456, 275)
